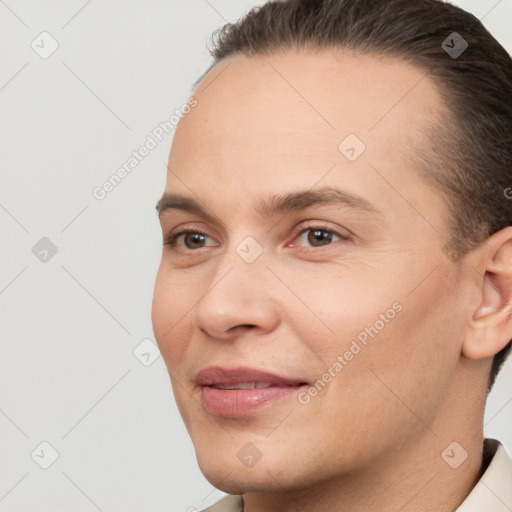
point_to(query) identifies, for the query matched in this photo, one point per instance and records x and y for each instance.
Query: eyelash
(172, 238)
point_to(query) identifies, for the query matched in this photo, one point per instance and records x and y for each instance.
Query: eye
(191, 239)
(319, 236)
(314, 236)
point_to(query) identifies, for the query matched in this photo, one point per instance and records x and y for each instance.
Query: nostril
(243, 326)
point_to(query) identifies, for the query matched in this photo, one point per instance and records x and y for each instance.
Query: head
(343, 180)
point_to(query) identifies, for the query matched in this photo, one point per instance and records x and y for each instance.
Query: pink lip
(241, 402)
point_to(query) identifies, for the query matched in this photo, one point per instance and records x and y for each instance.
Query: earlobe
(491, 323)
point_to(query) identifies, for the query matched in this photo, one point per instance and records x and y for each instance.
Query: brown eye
(191, 240)
(318, 237)
(194, 240)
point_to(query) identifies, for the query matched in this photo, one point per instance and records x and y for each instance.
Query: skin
(372, 438)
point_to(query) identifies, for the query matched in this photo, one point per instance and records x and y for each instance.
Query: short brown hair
(469, 152)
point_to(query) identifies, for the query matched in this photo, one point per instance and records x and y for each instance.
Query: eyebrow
(277, 204)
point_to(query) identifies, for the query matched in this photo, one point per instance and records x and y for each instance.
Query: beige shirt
(492, 493)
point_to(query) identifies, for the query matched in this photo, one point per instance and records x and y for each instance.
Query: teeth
(244, 385)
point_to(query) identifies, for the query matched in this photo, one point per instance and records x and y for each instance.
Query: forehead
(263, 122)
(309, 96)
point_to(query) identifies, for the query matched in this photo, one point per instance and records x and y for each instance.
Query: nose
(238, 299)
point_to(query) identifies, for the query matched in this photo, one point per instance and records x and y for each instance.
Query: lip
(242, 402)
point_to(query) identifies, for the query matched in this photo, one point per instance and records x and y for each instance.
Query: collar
(494, 489)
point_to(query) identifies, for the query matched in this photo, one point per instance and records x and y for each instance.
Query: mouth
(242, 391)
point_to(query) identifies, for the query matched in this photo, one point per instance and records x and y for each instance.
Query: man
(334, 297)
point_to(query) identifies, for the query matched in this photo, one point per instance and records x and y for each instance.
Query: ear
(491, 324)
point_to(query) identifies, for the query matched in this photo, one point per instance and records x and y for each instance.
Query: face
(304, 296)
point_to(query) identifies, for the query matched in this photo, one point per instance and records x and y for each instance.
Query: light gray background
(70, 325)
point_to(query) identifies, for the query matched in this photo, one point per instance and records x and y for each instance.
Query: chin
(272, 473)
(238, 481)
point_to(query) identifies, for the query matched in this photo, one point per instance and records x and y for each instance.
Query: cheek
(169, 318)
(336, 310)
(412, 360)
(380, 330)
